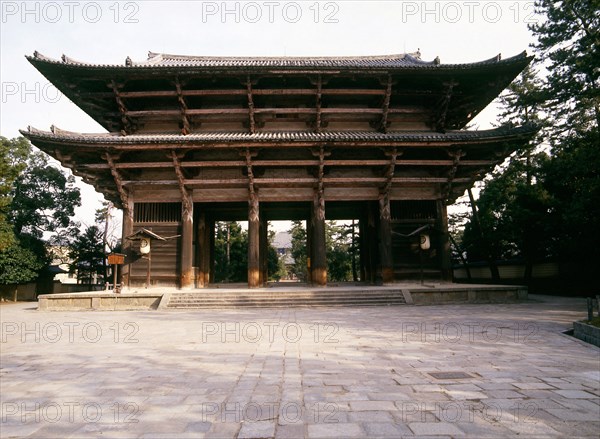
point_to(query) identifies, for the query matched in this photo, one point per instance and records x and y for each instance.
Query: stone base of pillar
(187, 279)
(319, 276)
(387, 275)
(254, 278)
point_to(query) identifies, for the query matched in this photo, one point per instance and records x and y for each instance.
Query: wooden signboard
(116, 259)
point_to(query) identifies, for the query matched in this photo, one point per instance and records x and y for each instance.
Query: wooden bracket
(186, 199)
(186, 129)
(119, 182)
(386, 106)
(127, 125)
(251, 118)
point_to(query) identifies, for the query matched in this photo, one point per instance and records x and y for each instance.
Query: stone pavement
(503, 371)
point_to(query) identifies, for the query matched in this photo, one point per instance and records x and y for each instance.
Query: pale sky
(108, 32)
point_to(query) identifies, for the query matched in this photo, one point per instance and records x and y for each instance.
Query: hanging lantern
(145, 246)
(425, 243)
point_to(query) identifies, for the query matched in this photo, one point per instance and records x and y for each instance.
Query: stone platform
(290, 295)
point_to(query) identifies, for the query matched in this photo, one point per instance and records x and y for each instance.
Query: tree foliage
(88, 255)
(231, 252)
(543, 202)
(18, 265)
(568, 44)
(37, 201)
(43, 198)
(13, 157)
(299, 252)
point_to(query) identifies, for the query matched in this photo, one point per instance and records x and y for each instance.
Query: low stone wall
(588, 333)
(98, 301)
(468, 294)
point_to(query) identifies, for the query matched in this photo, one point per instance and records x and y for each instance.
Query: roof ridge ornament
(128, 62)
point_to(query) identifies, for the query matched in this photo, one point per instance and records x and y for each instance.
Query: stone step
(233, 299)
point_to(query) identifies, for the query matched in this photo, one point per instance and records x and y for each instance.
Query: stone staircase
(266, 298)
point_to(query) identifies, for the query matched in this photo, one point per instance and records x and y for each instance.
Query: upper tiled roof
(162, 61)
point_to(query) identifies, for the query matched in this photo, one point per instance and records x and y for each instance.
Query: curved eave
(82, 153)
(281, 138)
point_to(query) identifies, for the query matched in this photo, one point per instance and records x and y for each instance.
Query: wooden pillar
(365, 272)
(385, 240)
(319, 251)
(202, 251)
(444, 244)
(373, 241)
(253, 242)
(309, 252)
(264, 249)
(127, 244)
(211, 251)
(186, 279)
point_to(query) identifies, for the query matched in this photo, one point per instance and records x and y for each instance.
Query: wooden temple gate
(195, 140)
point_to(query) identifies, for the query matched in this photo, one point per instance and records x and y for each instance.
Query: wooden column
(444, 244)
(254, 269)
(186, 276)
(309, 251)
(365, 269)
(319, 252)
(202, 251)
(186, 279)
(127, 244)
(385, 240)
(210, 260)
(264, 249)
(373, 239)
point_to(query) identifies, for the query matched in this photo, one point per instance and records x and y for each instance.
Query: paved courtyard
(504, 371)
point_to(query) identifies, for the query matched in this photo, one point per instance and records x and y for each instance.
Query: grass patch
(594, 322)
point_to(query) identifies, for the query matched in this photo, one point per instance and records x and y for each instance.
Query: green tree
(512, 209)
(36, 199)
(568, 45)
(18, 265)
(13, 157)
(299, 253)
(339, 258)
(572, 179)
(544, 200)
(275, 266)
(43, 198)
(88, 256)
(231, 252)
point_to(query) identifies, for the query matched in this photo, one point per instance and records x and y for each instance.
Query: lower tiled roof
(279, 136)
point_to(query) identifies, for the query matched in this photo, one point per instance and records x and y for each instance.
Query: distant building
(282, 242)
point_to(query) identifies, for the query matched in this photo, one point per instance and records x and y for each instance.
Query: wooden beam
(237, 92)
(261, 181)
(285, 163)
